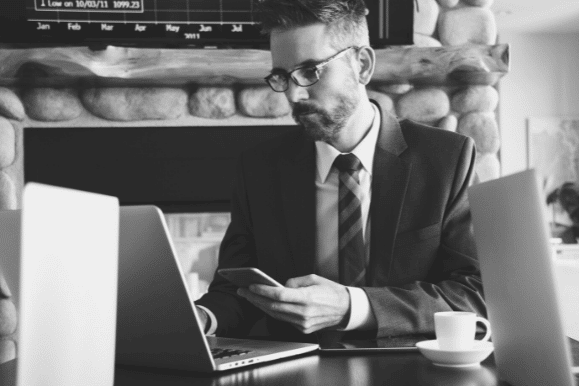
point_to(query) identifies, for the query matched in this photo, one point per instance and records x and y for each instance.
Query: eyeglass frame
(317, 67)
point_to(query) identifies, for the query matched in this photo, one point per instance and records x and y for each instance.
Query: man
(372, 242)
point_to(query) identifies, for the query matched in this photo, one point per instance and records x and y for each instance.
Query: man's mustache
(300, 108)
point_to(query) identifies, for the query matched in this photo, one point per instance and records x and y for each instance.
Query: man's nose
(296, 93)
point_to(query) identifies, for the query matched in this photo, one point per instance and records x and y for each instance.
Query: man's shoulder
(423, 137)
(412, 129)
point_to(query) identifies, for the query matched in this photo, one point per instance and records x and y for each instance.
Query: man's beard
(322, 125)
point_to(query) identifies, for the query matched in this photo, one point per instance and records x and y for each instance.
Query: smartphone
(243, 277)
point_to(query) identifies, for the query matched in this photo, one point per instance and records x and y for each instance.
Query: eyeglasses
(303, 76)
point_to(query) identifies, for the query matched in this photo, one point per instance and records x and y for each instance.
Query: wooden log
(469, 64)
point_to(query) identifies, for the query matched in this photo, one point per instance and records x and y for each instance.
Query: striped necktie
(351, 248)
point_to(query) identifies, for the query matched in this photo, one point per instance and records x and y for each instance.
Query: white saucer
(462, 358)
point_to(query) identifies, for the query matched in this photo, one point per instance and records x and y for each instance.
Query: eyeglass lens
(301, 76)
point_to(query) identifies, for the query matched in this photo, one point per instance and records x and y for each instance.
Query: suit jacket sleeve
(453, 281)
(234, 314)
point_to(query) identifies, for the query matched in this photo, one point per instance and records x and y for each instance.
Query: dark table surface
(394, 369)
(325, 369)
(310, 369)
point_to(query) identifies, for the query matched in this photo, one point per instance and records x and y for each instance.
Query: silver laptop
(157, 324)
(518, 279)
(59, 256)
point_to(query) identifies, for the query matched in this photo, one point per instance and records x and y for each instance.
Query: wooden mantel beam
(469, 64)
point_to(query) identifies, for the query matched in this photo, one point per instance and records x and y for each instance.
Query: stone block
(420, 40)
(448, 123)
(425, 17)
(7, 350)
(7, 317)
(7, 143)
(10, 105)
(383, 99)
(262, 102)
(475, 98)
(393, 89)
(135, 104)
(479, 3)
(15, 171)
(448, 3)
(426, 105)
(4, 289)
(52, 104)
(487, 167)
(213, 102)
(8, 199)
(482, 127)
(467, 25)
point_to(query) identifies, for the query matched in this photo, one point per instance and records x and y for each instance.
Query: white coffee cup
(455, 330)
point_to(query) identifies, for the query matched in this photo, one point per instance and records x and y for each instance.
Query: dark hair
(567, 196)
(345, 19)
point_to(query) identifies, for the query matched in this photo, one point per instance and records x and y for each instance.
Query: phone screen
(244, 277)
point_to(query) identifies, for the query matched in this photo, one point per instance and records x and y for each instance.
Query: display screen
(126, 20)
(168, 23)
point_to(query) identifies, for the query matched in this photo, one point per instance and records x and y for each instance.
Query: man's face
(324, 107)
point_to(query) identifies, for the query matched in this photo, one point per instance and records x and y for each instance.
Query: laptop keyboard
(220, 353)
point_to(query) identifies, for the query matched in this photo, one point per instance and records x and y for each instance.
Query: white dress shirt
(361, 315)
(326, 254)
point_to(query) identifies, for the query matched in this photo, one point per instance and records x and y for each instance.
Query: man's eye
(277, 77)
(309, 73)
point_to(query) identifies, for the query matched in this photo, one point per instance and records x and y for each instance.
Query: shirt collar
(365, 150)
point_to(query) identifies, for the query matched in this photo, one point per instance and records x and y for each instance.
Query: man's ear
(366, 61)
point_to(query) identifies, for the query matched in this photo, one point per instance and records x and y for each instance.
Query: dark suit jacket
(422, 256)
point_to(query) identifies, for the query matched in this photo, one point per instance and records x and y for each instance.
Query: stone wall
(11, 182)
(467, 108)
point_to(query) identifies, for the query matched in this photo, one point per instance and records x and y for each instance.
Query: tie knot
(347, 163)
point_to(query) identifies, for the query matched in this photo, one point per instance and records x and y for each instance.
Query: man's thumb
(303, 281)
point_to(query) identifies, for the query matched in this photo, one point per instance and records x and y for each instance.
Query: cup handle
(487, 328)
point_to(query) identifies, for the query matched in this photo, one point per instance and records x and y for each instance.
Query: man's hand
(310, 303)
(202, 317)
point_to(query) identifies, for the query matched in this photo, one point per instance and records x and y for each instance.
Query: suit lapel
(299, 203)
(390, 179)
